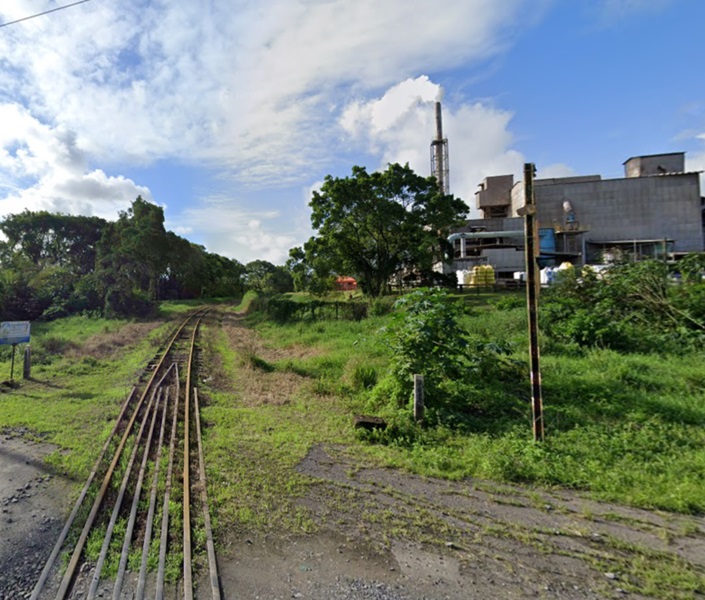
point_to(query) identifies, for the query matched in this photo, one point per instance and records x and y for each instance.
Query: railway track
(138, 498)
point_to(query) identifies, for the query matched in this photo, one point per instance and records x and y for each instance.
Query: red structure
(346, 284)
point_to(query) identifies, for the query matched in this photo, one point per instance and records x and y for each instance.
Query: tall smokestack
(439, 155)
(439, 123)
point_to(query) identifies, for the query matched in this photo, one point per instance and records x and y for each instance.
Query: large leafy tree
(375, 226)
(134, 251)
(54, 240)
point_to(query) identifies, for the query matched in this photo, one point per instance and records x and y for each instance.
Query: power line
(46, 12)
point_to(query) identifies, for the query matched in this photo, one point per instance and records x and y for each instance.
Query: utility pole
(531, 250)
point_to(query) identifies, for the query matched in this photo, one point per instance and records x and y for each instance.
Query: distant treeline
(54, 265)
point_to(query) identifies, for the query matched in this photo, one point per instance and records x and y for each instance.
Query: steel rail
(212, 563)
(188, 575)
(148, 416)
(39, 586)
(117, 588)
(167, 491)
(142, 579)
(73, 563)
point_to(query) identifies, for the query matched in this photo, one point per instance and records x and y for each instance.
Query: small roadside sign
(14, 332)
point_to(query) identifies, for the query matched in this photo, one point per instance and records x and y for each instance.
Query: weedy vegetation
(623, 382)
(622, 372)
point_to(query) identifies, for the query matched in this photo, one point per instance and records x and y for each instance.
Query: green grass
(73, 397)
(252, 451)
(175, 308)
(626, 428)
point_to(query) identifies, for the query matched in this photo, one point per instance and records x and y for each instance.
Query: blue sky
(230, 112)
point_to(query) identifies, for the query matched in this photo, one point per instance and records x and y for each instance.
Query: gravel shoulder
(34, 501)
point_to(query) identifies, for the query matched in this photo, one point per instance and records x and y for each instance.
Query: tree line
(381, 227)
(56, 265)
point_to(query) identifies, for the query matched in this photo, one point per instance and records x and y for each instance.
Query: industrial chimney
(439, 155)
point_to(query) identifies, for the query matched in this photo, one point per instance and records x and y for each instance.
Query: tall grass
(627, 428)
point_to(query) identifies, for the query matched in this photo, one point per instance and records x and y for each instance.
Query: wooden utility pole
(531, 250)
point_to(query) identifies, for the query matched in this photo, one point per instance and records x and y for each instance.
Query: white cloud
(556, 170)
(233, 231)
(256, 88)
(401, 124)
(243, 84)
(44, 169)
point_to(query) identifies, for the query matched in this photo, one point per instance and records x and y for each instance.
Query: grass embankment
(626, 428)
(82, 371)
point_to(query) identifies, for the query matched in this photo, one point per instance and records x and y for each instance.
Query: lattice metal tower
(439, 155)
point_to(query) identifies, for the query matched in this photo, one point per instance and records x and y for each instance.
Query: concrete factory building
(656, 208)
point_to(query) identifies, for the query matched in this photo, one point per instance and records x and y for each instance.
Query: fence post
(418, 398)
(26, 373)
(12, 364)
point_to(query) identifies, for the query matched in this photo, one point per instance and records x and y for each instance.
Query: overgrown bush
(510, 302)
(630, 307)
(282, 309)
(426, 337)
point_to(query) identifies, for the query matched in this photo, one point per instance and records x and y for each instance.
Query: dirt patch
(34, 502)
(258, 381)
(383, 535)
(388, 535)
(106, 345)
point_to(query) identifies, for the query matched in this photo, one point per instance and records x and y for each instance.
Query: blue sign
(14, 332)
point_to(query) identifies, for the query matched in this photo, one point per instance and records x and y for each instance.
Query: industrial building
(654, 211)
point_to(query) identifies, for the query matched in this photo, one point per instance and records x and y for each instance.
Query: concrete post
(26, 373)
(418, 398)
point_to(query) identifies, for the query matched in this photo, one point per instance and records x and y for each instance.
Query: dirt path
(394, 536)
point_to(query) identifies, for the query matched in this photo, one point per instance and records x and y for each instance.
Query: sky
(229, 113)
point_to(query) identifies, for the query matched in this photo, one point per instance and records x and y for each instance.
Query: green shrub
(381, 306)
(460, 371)
(632, 307)
(510, 302)
(281, 309)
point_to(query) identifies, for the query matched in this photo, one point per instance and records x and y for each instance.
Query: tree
(376, 226)
(263, 277)
(256, 272)
(54, 240)
(309, 270)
